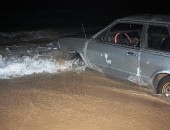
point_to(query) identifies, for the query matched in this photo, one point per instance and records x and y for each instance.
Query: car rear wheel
(164, 87)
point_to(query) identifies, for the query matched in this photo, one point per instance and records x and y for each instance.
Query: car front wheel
(164, 87)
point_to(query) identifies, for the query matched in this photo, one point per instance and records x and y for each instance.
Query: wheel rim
(166, 89)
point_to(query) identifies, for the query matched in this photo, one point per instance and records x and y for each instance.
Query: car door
(155, 54)
(117, 55)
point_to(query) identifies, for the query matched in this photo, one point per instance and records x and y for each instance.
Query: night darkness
(51, 13)
(54, 75)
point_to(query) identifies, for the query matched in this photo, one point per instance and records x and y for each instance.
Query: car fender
(74, 45)
(156, 77)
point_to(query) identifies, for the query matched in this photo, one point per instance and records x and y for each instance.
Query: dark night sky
(66, 12)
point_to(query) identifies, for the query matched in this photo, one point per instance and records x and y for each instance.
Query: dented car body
(135, 48)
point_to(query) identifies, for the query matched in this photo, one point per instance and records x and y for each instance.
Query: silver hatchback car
(135, 48)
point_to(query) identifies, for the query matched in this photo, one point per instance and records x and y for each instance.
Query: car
(135, 48)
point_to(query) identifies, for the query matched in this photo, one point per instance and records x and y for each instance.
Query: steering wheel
(122, 38)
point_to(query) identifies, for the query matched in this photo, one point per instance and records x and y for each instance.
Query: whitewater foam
(17, 67)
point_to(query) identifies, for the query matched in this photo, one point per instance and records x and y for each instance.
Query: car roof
(149, 18)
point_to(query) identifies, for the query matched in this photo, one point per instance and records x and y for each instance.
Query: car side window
(158, 38)
(125, 34)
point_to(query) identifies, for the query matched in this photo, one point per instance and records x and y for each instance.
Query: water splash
(25, 65)
(32, 52)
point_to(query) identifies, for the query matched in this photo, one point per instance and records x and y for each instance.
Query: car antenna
(83, 29)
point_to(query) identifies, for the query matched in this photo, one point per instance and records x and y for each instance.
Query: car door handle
(131, 54)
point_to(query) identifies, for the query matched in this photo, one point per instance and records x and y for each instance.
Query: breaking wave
(16, 67)
(27, 59)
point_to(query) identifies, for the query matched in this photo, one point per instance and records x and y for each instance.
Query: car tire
(164, 86)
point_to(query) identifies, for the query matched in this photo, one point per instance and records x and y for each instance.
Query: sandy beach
(79, 101)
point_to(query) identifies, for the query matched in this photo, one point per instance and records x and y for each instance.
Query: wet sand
(85, 101)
